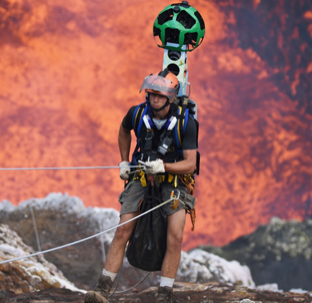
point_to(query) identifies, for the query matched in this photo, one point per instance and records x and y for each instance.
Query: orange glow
(71, 69)
(310, 30)
(256, 3)
(308, 15)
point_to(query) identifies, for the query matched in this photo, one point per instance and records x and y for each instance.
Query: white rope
(64, 168)
(35, 227)
(123, 291)
(88, 238)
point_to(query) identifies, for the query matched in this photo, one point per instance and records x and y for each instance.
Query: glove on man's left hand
(155, 167)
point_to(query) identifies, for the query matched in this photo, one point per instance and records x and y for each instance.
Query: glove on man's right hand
(155, 167)
(124, 170)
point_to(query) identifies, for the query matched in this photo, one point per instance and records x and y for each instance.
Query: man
(161, 160)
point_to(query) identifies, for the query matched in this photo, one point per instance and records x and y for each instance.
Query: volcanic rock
(183, 292)
(59, 219)
(26, 275)
(279, 252)
(33, 279)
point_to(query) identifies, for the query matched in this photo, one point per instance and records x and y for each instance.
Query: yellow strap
(136, 116)
(160, 178)
(170, 178)
(179, 133)
(142, 179)
(178, 127)
(175, 181)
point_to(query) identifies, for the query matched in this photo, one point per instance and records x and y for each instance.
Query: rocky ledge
(183, 292)
(60, 219)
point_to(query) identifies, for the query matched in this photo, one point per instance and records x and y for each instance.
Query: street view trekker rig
(179, 28)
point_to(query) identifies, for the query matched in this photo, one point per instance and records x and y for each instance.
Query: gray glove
(155, 167)
(124, 170)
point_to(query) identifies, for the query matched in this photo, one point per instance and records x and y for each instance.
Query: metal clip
(174, 204)
(144, 163)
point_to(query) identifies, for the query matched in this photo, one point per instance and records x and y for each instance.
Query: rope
(95, 235)
(115, 291)
(126, 290)
(63, 168)
(35, 227)
(88, 238)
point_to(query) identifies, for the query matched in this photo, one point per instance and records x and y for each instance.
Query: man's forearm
(180, 168)
(186, 166)
(124, 142)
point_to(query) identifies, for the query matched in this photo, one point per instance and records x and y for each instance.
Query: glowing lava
(71, 69)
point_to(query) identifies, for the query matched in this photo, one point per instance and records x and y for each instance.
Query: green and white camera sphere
(177, 25)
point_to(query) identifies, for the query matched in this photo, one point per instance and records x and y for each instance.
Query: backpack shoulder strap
(185, 117)
(137, 118)
(180, 127)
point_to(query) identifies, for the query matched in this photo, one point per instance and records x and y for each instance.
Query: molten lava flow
(71, 69)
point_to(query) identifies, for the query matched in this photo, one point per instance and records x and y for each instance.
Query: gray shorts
(134, 193)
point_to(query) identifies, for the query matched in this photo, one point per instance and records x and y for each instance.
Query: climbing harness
(174, 127)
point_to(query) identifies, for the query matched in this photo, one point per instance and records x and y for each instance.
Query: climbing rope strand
(65, 168)
(90, 237)
(123, 291)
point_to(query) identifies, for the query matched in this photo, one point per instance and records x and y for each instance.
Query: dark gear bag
(148, 242)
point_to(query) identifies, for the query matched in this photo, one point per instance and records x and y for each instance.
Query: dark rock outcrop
(279, 252)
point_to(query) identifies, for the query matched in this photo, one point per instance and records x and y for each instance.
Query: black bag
(148, 242)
